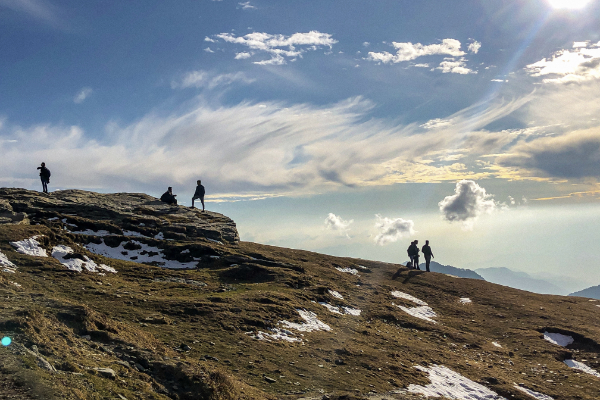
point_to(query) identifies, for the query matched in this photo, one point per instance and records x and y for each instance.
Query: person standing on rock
(428, 254)
(44, 176)
(168, 197)
(415, 254)
(199, 194)
(412, 253)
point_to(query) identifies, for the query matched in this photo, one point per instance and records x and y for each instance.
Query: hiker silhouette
(413, 253)
(428, 254)
(44, 176)
(168, 196)
(199, 194)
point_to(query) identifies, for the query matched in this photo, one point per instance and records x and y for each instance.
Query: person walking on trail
(199, 194)
(44, 176)
(428, 254)
(168, 197)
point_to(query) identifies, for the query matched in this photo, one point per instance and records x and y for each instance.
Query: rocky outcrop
(115, 213)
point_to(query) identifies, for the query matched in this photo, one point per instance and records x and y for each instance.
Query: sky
(346, 127)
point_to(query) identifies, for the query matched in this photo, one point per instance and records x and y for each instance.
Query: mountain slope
(518, 280)
(591, 292)
(240, 320)
(450, 270)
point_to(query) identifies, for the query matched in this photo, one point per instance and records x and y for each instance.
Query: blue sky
(348, 127)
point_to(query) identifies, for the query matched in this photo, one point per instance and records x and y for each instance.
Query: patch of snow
(333, 309)
(53, 219)
(64, 221)
(30, 247)
(186, 251)
(312, 323)
(535, 395)
(6, 264)
(452, 385)
(348, 270)
(276, 334)
(117, 253)
(90, 232)
(336, 294)
(159, 236)
(75, 264)
(362, 267)
(464, 300)
(558, 339)
(142, 224)
(424, 312)
(351, 311)
(133, 233)
(214, 241)
(497, 344)
(582, 367)
(214, 257)
(406, 296)
(15, 283)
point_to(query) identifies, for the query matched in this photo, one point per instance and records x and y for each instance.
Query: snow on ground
(348, 270)
(150, 254)
(214, 241)
(497, 344)
(406, 296)
(159, 236)
(6, 265)
(351, 311)
(312, 323)
(582, 367)
(338, 310)
(362, 267)
(333, 309)
(423, 312)
(535, 395)
(445, 382)
(16, 284)
(336, 294)
(465, 300)
(76, 264)
(276, 334)
(558, 339)
(30, 246)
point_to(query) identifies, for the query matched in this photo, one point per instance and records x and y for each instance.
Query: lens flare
(6, 341)
(570, 4)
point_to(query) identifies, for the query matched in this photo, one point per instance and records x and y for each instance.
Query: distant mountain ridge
(591, 292)
(519, 280)
(450, 270)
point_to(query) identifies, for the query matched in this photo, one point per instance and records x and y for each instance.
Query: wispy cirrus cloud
(281, 48)
(83, 94)
(246, 5)
(209, 80)
(40, 10)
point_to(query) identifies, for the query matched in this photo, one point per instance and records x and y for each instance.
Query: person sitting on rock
(199, 194)
(168, 196)
(44, 176)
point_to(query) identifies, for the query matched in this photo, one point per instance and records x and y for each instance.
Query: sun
(570, 4)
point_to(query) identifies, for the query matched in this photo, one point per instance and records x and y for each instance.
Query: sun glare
(570, 4)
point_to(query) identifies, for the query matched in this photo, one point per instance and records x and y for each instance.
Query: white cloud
(422, 65)
(409, 51)
(436, 123)
(246, 149)
(336, 223)
(569, 66)
(580, 44)
(281, 48)
(209, 50)
(37, 9)
(366, 44)
(467, 203)
(82, 95)
(474, 47)
(246, 5)
(391, 230)
(207, 39)
(205, 79)
(242, 55)
(455, 67)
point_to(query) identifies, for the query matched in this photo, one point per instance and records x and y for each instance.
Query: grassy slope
(135, 316)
